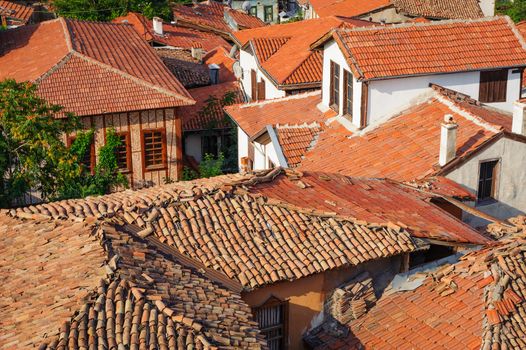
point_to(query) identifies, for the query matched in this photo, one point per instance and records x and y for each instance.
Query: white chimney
(448, 140)
(158, 26)
(518, 125)
(197, 52)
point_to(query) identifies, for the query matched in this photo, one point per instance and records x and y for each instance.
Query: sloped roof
(221, 57)
(371, 200)
(442, 9)
(405, 147)
(381, 52)
(173, 35)
(15, 13)
(210, 16)
(188, 70)
(90, 68)
(476, 303)
(69, 284)
(283, 51)
(346, 8)
(195, 118)
(293, 110)
(295, 140)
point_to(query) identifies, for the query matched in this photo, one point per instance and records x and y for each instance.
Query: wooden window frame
(494, 181)
(334, 88)
(253, 13)
(493, 86)
(274, 301)
(265, 13)
(127, 136)
(92, 156)
(348, 103)
(253, 85)
(164, 164)
(261, 90)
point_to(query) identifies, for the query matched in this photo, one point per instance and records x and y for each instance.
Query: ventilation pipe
(448, 140)
(518, 125)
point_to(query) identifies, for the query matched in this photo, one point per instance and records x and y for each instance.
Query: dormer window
(335, 87)
(493, 85)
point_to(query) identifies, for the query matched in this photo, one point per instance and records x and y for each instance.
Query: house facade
(265, 10)
(136, 96)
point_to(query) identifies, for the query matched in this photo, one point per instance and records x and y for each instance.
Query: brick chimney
(448, 140)
(518, 125)
(157, 26)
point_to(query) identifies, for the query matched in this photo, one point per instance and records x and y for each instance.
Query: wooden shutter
(364, 102)
(253, 84)
(493, 86)
(261, 90)
(347, 93)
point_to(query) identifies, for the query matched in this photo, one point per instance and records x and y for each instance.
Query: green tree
(32, 154)
(106, 10)
(516, 9)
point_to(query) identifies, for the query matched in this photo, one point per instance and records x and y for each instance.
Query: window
(261, 90)
(88, 160)
(154, 149)
(487, 180)
(335, 86)
(493, 86)
(272, 318)
(254, 11)
(209, 145)
(347, 93)
(269, 15)
(253, 85)
(123, 152)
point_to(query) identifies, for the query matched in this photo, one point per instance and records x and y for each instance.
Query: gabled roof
(292, 110)
(406, 147)
(195, 118)
(81, 285)
(296, 140)
(475, 303)
(210, 16)
(347, 8)
(283, 51)
(16, 14)
(90, 68)
(173, 35)
(440, 9)
(221, 57)
(410, 49)
(252, 239)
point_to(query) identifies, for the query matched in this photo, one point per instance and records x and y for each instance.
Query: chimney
(518, 125)
(197, 52)
(213, 70)
(158, 26)
(448, 140)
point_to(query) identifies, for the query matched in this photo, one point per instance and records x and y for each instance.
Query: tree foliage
(106, 10)
(32, 154)
(516, 9)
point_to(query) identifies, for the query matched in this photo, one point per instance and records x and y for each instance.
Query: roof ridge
(305, 125)
(134, 79)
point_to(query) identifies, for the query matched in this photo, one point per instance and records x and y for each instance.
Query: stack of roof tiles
(476, 303)
(173, 35)
(420, 48)
(440, 9)
(90, 68)
(406, 147)
(283, 51)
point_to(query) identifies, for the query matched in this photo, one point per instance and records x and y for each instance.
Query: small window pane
(154, 148)
(122, 152)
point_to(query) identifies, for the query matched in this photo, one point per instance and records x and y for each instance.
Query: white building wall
(242, 145)
(262, 155)
(248, 62)
(511, 177)
(487, 7)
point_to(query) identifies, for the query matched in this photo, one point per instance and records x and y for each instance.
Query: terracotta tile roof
(194, 118)
(293, 110)
(189, 71)
(476, 303)
(221, 57)
(69, 284)
(249, 238)
(521, 26)
(443, 9)
(15, 13)
(371, 200)
(210, 16)
(346, 8)
(283, 51)
(173, 35)
(420, 48)
(90, 68)
(295, 140)
(404, 148)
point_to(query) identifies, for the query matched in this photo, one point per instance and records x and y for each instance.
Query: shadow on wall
(496, 209)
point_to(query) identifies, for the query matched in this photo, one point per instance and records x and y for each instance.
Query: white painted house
(371, 72)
